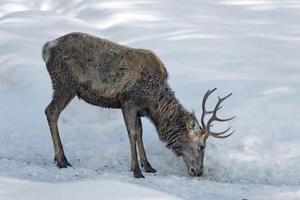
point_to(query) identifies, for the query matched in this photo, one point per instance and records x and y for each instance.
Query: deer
(110, 75)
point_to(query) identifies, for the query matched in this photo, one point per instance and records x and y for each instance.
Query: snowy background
(248, 47)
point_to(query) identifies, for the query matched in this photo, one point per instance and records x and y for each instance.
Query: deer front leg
(130, 118)
(143, 158)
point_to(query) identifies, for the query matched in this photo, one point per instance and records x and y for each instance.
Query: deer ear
(190, 124)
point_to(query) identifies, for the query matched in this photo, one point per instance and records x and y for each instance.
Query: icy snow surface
(248, 47)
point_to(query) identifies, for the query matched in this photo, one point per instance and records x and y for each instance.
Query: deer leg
(130, 115)
(53, 110)
(143, 158)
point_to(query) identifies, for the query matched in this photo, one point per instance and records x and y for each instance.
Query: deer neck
(169, 118)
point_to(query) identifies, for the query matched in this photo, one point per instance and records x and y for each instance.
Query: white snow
(248, 47)
(104, 189)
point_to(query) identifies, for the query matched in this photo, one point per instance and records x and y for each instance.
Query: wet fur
(110, 75)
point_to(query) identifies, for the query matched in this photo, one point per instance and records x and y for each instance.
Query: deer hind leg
(130, 115)
(59, 102)
(143, 158)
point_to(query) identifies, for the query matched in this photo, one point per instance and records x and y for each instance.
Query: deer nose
(196, 171)
(199, 173)
(201, 147)
(192, 171)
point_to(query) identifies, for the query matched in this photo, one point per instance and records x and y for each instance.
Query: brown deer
(110, 75)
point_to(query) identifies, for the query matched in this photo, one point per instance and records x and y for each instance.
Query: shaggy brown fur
(110, 75)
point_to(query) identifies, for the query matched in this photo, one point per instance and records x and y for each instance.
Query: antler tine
(223, 136)
(218, 107)
(211, 112)
(224, 120)
(220, 133)
(204, 111)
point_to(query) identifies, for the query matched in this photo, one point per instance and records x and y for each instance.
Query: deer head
(193, 150)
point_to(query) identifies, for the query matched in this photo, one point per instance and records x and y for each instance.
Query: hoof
(138, 173)
(62, 162)
(148, 168)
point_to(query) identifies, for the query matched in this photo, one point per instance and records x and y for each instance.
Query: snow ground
(249, 47)
(100, 189)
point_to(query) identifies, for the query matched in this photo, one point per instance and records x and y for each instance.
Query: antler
(206, 127)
